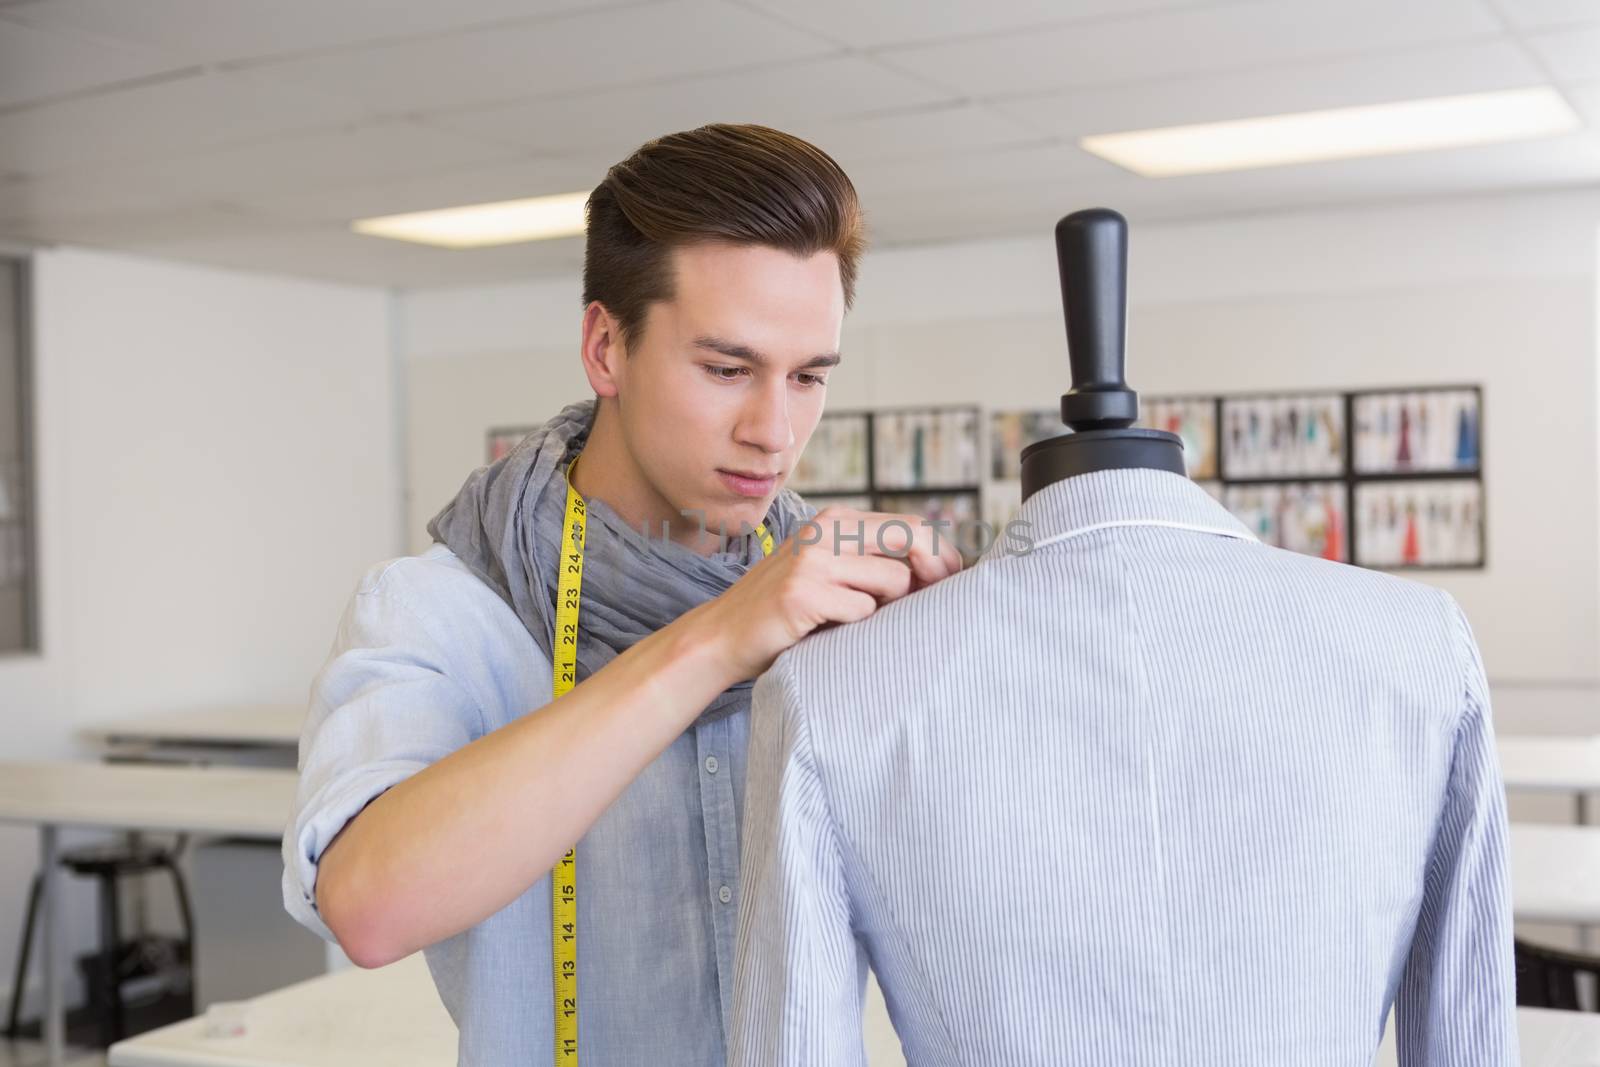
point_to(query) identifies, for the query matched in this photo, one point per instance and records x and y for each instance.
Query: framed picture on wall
(19, 570)
(1418, 431)
(503, 439)
(1194, 420)
(1424, 523)
(1270, 437)
(835, 459)
(1012, 431)
(931, 448)
(1307, 517)
(13, 530)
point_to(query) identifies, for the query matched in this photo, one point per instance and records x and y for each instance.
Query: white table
(236, 802)
(391, 1016)
(270, 727)
(1555, 765)
(1555, 873)
(1552, 765)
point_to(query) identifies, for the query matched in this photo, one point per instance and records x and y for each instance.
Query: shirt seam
(1467, 702)
(1466, 657)
(1145, 704)
(1240, 535)
(1164, 524)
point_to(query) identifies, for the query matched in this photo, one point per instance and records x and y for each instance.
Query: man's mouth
(748, 483)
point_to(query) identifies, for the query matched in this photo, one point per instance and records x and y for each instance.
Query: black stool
(1548, 977)
(108, 863)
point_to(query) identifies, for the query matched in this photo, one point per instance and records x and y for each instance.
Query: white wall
(1497, 290)
(217, 465)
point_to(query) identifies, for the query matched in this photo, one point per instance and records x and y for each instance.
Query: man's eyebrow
(733, 350)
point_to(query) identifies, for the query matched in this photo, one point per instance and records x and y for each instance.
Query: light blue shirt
(1151, 794)
(428, 658)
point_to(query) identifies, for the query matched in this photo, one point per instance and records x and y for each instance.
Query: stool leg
(23, 952)
(111, 955)
(51, 935)
(182, 893)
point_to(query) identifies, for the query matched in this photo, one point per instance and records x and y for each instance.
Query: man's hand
(840, 567)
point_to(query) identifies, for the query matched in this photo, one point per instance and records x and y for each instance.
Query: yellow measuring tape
(564, 878)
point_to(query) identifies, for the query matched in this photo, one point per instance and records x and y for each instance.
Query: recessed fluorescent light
(1340, 133)
(479, 225)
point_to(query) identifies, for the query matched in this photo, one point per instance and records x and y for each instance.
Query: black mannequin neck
(1052, 460)
(1092, 249)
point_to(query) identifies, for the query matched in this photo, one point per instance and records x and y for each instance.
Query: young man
(433, 805)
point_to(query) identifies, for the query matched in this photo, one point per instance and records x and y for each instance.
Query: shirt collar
(1116, 498)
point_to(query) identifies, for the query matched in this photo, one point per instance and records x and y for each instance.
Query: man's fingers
(931, 566)
(882, 577)
(929, 551)
(934, 554)
(849, 605)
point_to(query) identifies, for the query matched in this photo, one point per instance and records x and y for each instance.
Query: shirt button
(725, 894)
(711, 765)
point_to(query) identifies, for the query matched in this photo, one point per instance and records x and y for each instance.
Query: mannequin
(1051, 770)
(1092, 248)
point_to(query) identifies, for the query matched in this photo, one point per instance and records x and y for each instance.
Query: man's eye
(725, 374)
(812, 380)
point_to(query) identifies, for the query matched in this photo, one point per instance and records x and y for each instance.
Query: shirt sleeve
(799, 972)
(1457, 998)
(383, 707)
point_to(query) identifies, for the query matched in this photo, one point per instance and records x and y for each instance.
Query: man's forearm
(461, 839)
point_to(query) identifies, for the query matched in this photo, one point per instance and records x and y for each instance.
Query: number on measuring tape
(564, 877)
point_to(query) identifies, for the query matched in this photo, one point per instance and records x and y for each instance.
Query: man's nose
(764, 423)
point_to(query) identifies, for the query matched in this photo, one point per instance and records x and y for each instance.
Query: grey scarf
(506, 525)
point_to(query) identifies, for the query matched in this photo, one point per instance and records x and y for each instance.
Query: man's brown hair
(747, 185)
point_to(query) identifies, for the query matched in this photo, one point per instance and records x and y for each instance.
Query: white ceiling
(249, 133)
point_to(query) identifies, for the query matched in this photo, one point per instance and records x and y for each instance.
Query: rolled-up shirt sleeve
(382, 707)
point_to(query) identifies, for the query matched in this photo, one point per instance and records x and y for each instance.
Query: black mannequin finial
(1092, 248)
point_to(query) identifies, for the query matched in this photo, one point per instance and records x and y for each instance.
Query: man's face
(725, 382)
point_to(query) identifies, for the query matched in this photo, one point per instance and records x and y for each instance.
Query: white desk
(390, 1016)
(393, 1017)
(269, 727)
(1555, 873)
(1551, 764)
(1555, 765)
(236, 802)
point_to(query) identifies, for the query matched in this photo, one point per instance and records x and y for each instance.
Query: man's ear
(604, 354)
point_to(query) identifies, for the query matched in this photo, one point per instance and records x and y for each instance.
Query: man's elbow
(359, 920)
(378, 955)
(360, 927)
